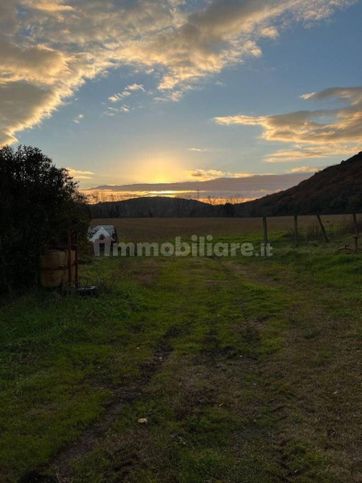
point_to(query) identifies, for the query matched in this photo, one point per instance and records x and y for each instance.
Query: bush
(39, 203)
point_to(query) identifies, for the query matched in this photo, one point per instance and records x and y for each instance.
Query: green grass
(245, 368)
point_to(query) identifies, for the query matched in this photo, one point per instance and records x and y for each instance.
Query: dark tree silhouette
(229, 209)
(39, 203)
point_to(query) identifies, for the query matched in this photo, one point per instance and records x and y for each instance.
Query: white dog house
(103, 237)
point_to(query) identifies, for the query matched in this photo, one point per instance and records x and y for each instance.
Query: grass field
(149, 229)
(208, 369)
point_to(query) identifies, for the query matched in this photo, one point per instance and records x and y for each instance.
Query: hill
(155, 207)
(234, 189)
(336, 189)
(243, 185)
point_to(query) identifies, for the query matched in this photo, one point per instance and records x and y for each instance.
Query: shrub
(39, 203)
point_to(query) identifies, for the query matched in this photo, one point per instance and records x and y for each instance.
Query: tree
(39, 203)
(229, 209)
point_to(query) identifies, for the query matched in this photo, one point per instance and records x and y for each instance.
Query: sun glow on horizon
(159, 169)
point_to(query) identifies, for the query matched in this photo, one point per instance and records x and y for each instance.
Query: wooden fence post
(355, 238)
(296, 233)
(76, 260)
(3, 271)
(69, 251)
(265, 230)
(355, 223)
(325, 236)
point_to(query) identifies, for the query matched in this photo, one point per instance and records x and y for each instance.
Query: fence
(354, 226)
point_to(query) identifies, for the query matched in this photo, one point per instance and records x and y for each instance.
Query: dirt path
(122, 397)
(244, 385)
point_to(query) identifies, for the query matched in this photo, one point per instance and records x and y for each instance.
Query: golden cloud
(49, 48)
(304, 169)
(311, 134)
(80, 175)
(208, 174)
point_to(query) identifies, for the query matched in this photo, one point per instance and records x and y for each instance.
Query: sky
(135, 91)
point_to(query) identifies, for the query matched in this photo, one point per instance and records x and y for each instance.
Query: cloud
(23, 105)
(127, 91)
(112, 111)
(299, 153)
(51, 7)
(196, 149)
(199, 150)
(304, 169)
(51, 47)
(223, 33)
(35, 64)
(79, 174)
(315, 133)
(135, 87)
(8, 17)
(270, 32)
(119, 96)
(78, 118)
(207, 174)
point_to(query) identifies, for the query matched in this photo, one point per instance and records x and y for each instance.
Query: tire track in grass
(63, 464)
(123, 396)
(280, 399)
(301, 385)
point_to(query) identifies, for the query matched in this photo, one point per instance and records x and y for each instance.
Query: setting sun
(161, 168)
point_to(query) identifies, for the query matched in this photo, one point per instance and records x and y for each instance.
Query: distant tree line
(39, 203)
(149, 207)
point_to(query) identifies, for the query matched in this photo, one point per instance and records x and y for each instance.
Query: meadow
(197, 369)
(159, 229)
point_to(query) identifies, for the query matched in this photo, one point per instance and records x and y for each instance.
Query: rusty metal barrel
(55, 267)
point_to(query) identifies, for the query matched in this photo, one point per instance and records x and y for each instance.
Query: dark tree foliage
(39, 203)
(229, 209)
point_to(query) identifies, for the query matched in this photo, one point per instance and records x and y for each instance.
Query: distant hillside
(336, 189)
(241, 185)
(154, 207)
